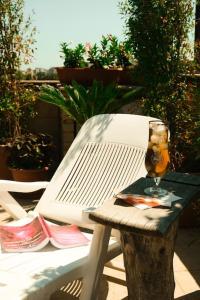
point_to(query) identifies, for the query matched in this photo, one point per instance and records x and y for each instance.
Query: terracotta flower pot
(28, 176)
(86, 76)
(4, 170)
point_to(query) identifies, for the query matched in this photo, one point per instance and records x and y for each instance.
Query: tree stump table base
(149, 265)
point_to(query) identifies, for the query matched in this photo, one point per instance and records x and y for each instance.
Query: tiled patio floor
(186, 267)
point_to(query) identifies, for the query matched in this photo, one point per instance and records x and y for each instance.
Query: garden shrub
(17, 48)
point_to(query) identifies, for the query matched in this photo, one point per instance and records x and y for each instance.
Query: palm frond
(81, 103)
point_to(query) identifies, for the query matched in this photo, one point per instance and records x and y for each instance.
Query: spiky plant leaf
(81, 103)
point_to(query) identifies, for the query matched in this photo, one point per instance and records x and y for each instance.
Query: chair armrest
(22, 187)
(85, 215)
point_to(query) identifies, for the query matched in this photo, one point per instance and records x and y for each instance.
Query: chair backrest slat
(100, 168)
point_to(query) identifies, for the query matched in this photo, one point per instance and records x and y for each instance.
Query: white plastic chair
(107, 155)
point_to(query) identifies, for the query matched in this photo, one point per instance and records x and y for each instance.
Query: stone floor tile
(187, 248)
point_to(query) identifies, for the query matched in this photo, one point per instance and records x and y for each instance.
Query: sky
(71, 21)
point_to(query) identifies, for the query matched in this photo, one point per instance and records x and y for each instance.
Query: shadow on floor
(192, 296)
(72, 291)
(187, 248)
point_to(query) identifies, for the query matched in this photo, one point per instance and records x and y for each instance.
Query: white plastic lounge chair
(107, 155)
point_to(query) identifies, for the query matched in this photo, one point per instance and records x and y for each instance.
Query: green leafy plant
(17, 47)
(81, 103)
(20, 112)
(192, 154)
(158, 31)
(111, 53)
(31, 151)
(73, 57)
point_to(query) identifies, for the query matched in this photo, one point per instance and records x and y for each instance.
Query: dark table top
(154, 221)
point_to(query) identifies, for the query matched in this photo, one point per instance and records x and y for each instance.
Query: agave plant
(81, 103)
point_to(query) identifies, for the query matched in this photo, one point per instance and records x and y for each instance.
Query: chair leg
(12, 206)
(96, 261)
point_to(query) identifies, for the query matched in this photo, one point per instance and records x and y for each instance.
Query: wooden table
(148, 236)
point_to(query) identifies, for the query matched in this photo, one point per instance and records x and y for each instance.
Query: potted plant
(31, 157)
(15, 116)
(109, 62)
(74, 63)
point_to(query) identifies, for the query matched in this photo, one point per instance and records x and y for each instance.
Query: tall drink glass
(157, 156)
